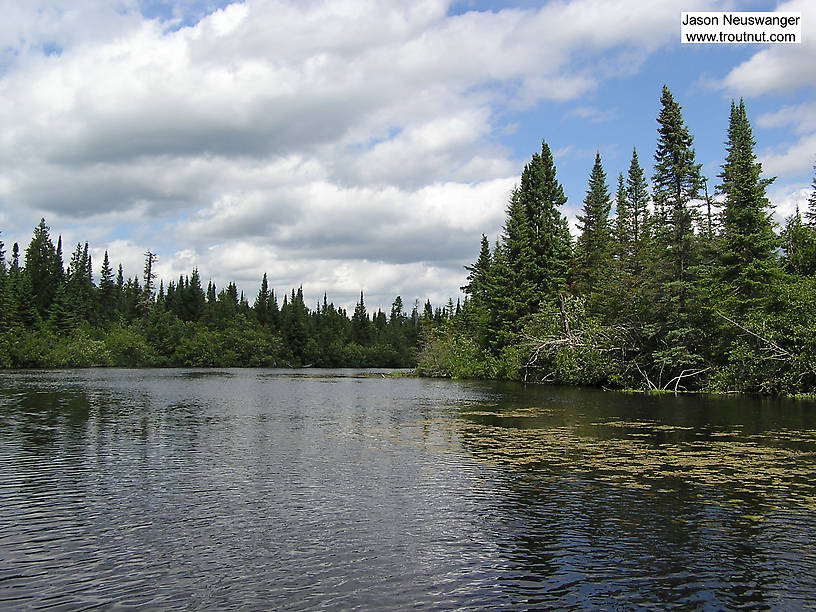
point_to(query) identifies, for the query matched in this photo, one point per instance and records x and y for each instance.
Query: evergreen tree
(637, 196)
(361, 331)
(621, 237)
(542, 195)
(79, 291)
(675, 340)
(273, 317)
(40, 262)
(261, 306)
(531, 263)
(397, 318)
(478, 274)
(193, 297)
(799, 242)
(747, 255)
(810, 214)
(676, 183)
(3, 276)
(59, 265)
(594, 247)
(294, 322)
(107, 291)
(120, 289)
(149, 276)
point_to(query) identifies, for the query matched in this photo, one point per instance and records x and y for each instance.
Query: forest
(667, 287)
(52, 315)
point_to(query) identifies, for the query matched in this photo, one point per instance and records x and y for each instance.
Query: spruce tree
(676, 183)
(675, 339)
(810, 214)
(542, 196)
(120, 289)
(594, 247)
(748, 244)
(40, 261)
(478, 273)
(107, 291)
(799, 242)
(637, 195)
(149, 276)
(360, 324)
(622, 249)
(3, 276)
(532, 261)
(261, 306)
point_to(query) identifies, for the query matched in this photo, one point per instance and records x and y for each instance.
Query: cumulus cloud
(340, 143)
(778, 69)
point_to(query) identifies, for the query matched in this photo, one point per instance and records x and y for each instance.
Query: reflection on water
(258, 489)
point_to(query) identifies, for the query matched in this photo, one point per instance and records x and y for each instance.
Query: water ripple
(253, 490)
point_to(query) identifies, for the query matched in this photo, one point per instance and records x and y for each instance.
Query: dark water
(267, 489)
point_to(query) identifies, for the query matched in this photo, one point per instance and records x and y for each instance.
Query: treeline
(674, 290)
(52, 315)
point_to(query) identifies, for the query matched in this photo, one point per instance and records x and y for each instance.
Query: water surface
(260, 489)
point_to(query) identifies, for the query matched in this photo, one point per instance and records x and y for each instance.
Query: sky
(349, 145)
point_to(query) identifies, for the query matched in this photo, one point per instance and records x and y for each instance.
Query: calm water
(269, 489)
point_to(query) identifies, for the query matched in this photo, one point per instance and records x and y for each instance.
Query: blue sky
(354, 144)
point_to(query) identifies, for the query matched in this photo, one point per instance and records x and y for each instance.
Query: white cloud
(786, 198)
(779, 69)
(341, 143)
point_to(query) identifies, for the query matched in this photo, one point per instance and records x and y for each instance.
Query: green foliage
(532, 260)
(79, 350)
(451, 353)
(799, 242)
(124, 323)
(676, 182)
(564, 343)
(747, 258)
(40, 264)
(594, 248)
(672, 303)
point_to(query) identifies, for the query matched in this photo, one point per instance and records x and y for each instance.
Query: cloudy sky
(353, 144)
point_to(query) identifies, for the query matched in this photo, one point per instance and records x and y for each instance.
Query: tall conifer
(593, 250)
(676, 183)
(747, 255)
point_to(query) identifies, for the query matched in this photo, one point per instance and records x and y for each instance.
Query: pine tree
(747, 256)
(594, 247)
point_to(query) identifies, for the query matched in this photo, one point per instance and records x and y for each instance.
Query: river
(283, 489)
